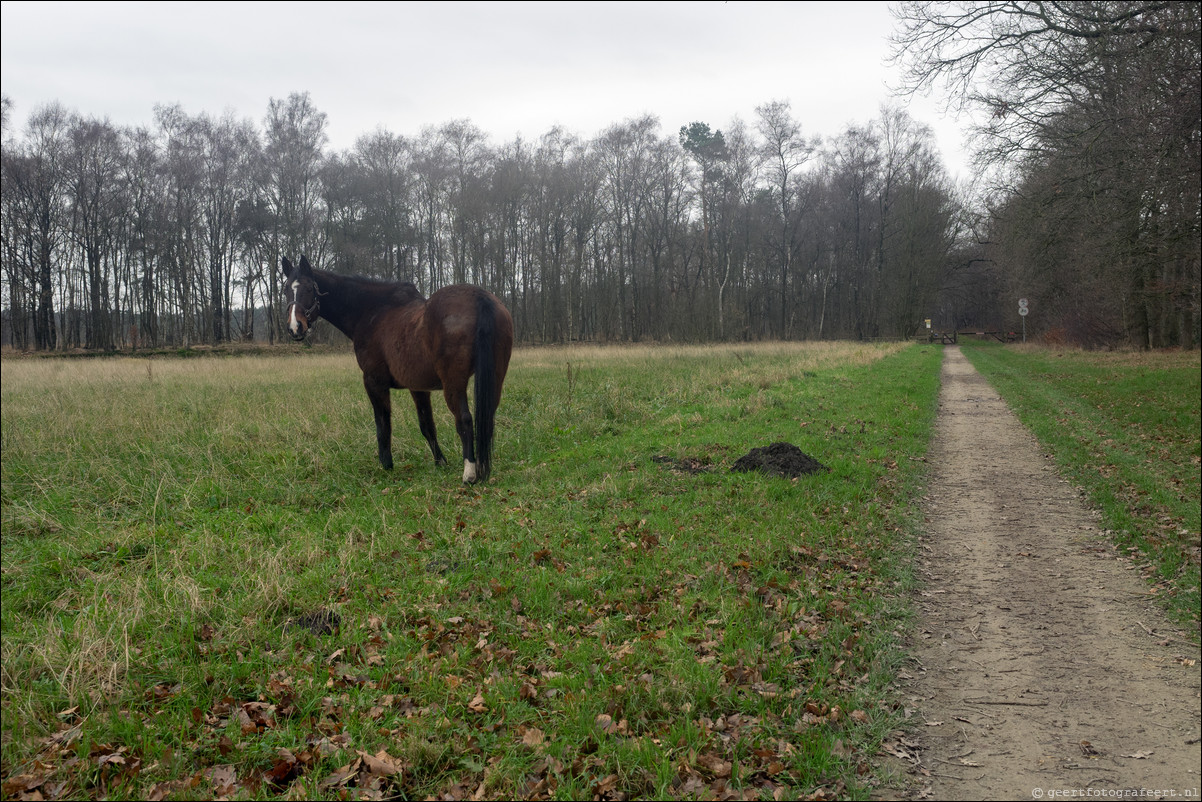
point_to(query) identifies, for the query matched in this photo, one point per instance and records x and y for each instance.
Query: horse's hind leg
(425, 422)
(457, 403)
(381, 404)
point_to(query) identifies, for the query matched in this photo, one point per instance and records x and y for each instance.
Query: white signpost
(1022, 312)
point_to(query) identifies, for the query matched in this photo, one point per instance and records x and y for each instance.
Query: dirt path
(1036, 673)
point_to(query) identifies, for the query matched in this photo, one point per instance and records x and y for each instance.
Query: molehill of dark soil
(779, 459)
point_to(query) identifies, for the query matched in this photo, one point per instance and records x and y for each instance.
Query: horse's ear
(286, 266)
(305, 268)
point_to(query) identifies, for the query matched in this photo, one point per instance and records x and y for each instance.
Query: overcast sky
(510, 67)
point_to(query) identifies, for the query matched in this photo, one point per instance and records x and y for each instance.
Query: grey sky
(510, 67)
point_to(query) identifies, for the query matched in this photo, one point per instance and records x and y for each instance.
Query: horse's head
(300, 290)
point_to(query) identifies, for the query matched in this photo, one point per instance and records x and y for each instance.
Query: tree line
(169, 234)
(1092, 122)
(1088, 205)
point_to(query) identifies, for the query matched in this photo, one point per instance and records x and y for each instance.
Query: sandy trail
(1037, 671)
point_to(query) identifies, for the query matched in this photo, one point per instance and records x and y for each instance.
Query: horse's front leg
(381, 403)
(457, 403)
(425, 422)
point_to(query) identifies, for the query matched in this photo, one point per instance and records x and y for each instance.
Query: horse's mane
(397, 292)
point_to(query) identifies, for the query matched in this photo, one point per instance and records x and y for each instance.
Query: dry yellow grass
(1129, 357)
(808, 355)
(46, 374)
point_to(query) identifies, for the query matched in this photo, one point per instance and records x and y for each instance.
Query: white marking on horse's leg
(469, 472)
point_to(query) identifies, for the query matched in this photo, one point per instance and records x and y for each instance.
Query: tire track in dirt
(1035, 670)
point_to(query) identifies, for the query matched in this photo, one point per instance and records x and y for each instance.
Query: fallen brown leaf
(533, 737)
(160, 791)
(343, 775)
(715, 765)
(223, 779)
(381, 763)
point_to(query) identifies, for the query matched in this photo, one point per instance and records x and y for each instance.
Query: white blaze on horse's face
(294, 324)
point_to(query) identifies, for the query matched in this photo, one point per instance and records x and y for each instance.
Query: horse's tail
(486, 383)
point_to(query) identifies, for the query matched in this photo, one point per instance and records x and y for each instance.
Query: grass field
(210, 588)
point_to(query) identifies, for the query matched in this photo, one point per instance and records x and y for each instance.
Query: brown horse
(405, 341)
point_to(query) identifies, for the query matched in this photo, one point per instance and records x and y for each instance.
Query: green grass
(1124, 427)
(615, 612)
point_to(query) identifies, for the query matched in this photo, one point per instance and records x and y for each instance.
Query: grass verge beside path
(1125, 427)
(211, 588)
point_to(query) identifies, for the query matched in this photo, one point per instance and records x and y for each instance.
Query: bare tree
(1104, 96)
(39, 180)
(469, 159)
(666, 227)
(94, 172)
(1024, 62)
(228, 148)
(784, 152)
(144, 185)
(294, 142)
(625, 153)
(382, 162)
(917, 211)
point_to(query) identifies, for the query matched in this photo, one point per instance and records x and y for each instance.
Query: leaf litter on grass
(743, 744)
(618, 637)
